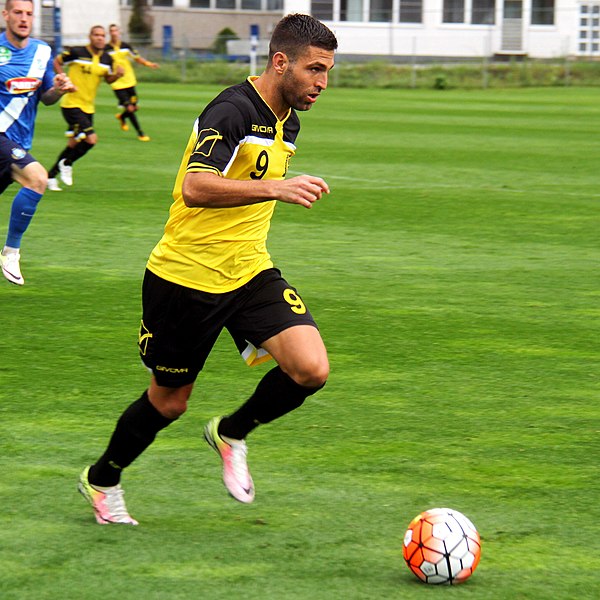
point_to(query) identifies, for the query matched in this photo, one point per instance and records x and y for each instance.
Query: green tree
(220, 44)
(140, 26)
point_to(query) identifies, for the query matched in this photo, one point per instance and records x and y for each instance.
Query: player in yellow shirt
(123, 54)
(212, 271)
(87, 66)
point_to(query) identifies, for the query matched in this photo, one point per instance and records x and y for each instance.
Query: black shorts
(81, 124)
(11, 153)
(126, 96)
(180, 325)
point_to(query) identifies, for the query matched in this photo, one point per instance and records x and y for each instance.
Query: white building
(398, 28)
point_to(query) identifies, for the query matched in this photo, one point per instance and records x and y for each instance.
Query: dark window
(411, 11)
(542, 12)
(483, 12)
(454, 11)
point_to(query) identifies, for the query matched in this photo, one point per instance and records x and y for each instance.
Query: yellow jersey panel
(123, 56)
(86, 70)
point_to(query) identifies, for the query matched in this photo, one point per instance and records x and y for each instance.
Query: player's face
(98, 38)
(115, 34)
(306, 78)
(19, 19)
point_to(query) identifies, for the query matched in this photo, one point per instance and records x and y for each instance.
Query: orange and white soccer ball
(442, 546)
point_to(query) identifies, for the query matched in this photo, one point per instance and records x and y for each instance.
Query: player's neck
(17, 42)
(94, 50)
(270, 94)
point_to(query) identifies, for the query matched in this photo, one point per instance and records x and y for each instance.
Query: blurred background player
(27, 76)
(87, 67)
(123, 54)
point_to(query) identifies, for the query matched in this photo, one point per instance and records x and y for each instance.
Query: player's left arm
(146, 63)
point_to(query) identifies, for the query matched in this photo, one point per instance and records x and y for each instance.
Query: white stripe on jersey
(259, 141)
(14, 108)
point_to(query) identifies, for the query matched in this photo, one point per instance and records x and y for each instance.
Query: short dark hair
(8, 4)
(296, 32)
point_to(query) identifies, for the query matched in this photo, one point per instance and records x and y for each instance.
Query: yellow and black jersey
(123, 55)
(217, 250)
(86, 70)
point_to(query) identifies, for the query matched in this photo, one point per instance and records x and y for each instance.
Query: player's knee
(311, 373)
(170, 402)
(34, 177)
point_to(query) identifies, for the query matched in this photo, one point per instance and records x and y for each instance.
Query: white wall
(434, 38)
(78, 16)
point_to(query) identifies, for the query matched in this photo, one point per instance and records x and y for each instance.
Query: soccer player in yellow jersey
(88, 66)
(123, 54)
(211, 269)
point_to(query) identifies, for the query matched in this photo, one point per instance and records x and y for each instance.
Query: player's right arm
(209, 190)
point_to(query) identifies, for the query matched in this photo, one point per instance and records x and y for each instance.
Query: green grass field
(454, 273)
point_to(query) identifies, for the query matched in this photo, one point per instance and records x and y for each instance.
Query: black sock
(82, 148)
(135, 431)
(134, 121)
(276, 395)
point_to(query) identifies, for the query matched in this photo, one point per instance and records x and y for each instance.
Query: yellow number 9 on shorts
(294, 301)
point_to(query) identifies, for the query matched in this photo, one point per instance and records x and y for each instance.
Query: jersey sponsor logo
(207, 139)
(18, 153)
(22, 85)
(5, 55)
(262, 129)
(171, 369)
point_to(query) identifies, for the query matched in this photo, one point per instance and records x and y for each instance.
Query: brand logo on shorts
(171, 369)
(143, 339)
(5, 55)
(18, 153)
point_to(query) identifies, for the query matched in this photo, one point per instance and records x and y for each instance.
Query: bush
(381, 74)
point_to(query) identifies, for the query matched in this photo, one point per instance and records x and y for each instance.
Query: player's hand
(62, 84)
(302, 189)
(120, 71)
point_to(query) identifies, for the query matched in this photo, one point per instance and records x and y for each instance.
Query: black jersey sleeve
(220, 130)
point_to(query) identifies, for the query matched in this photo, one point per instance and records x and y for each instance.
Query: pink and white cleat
(108, 502)
(236, 477)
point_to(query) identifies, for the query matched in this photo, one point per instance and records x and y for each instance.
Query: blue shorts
(11, 154)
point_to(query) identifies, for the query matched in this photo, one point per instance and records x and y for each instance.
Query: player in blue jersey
(27, 76)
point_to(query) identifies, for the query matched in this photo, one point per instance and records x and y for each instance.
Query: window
(199, 3)
(380, 11)
(411, 11)
(454, 11)
(225, 4)
(483, 12)
(542, 12)
(162, 2)
(322, 10)
(351, 10)
(250, 4)
(275, 5)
